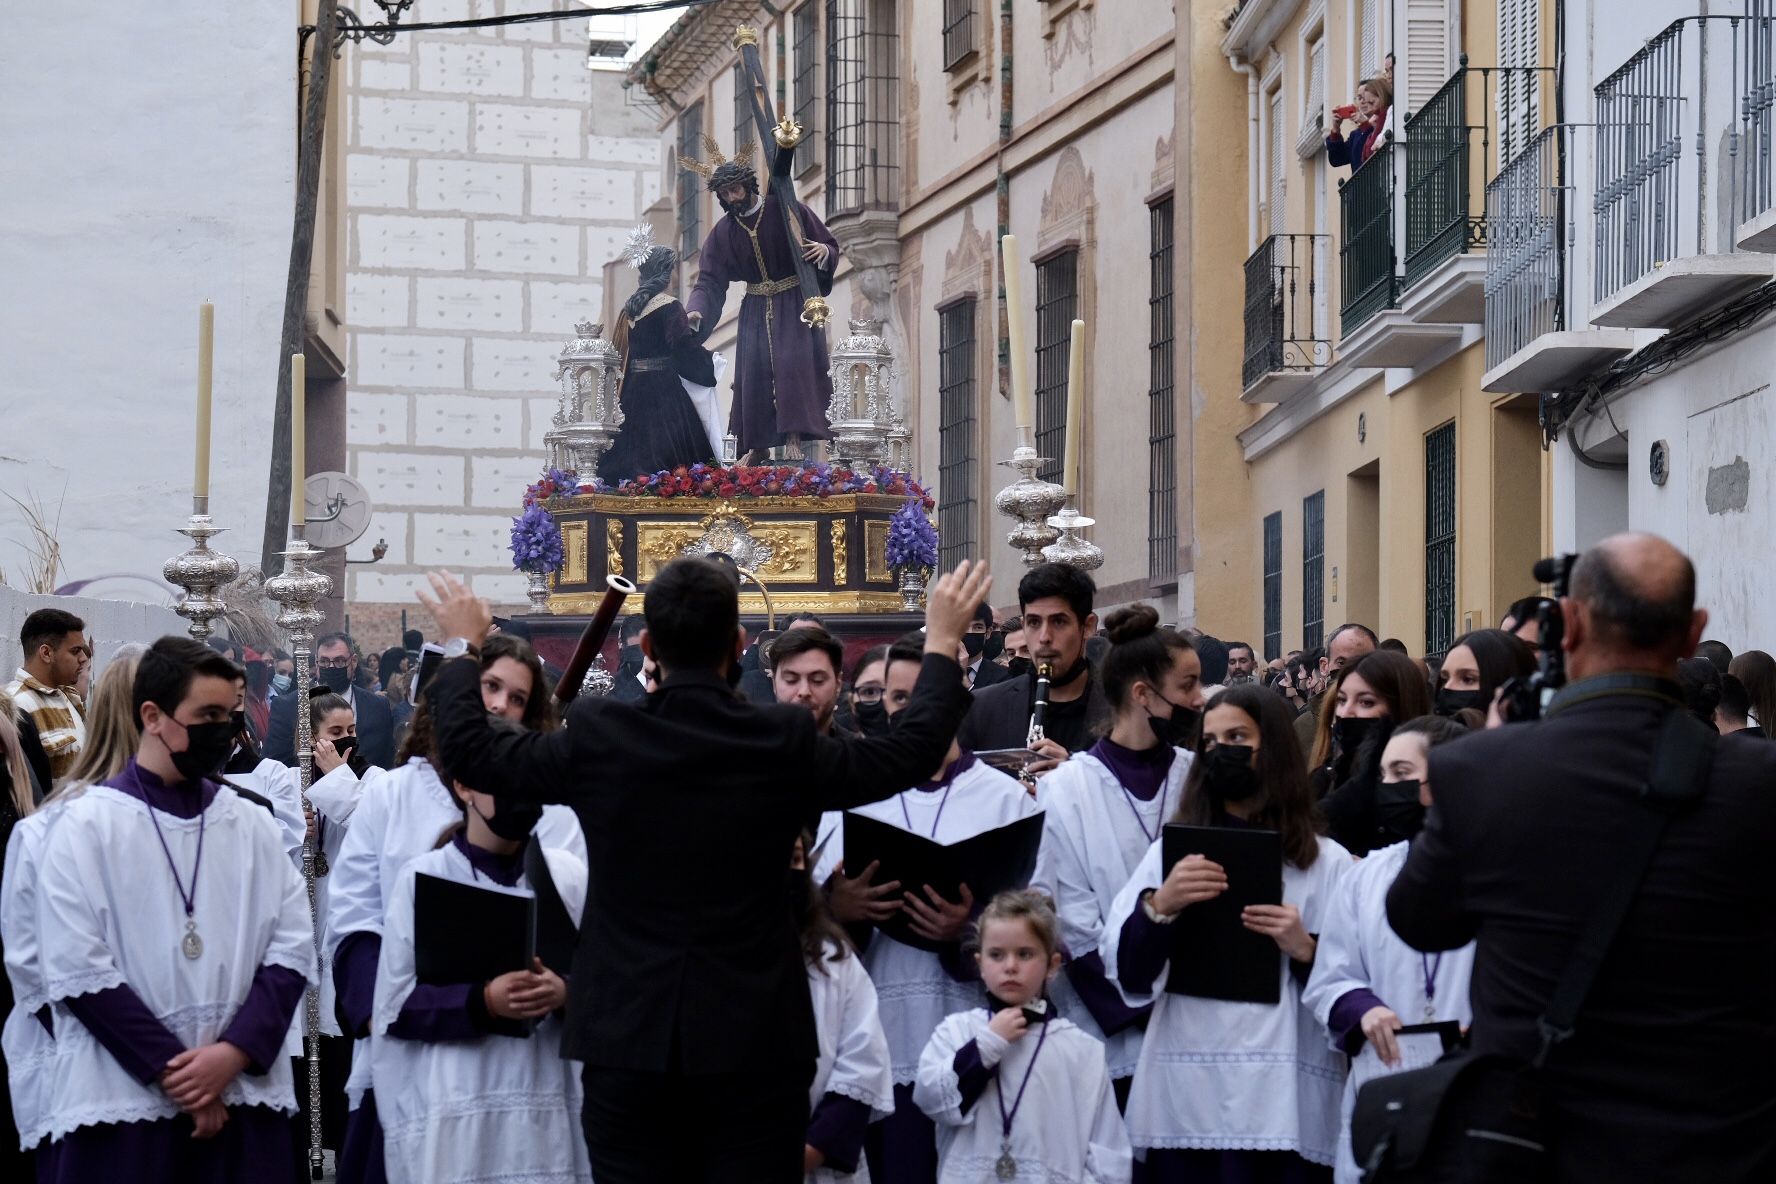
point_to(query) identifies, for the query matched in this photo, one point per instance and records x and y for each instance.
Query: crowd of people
(1260, 884)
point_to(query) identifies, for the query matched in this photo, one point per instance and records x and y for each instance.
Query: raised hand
(458, 611)
(950, 605)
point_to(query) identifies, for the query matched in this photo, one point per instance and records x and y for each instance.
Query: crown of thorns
(720, 171)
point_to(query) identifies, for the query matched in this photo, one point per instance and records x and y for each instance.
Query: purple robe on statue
(781, 385)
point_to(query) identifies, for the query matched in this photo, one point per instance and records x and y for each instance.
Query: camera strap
(1683, 756)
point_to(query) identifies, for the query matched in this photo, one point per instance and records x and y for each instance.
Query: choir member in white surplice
(1228, 1091)
(853, 1084)
(28, 1040)
(1017, 1091)
(397, 817)
(172, 981)
(460, 1101)
(1367, 982)
(1104, 807)
(916, 988)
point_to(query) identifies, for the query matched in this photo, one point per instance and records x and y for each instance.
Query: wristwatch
(1154, 914)
(456, 647)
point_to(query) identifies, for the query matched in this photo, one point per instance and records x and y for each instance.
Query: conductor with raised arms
(688, 1002)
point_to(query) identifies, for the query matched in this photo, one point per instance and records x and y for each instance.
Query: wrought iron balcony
(1665, 234)
(1450, 145)
(1366, 201)
(1285, 331)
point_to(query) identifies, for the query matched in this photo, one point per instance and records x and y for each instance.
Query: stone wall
(490, 177)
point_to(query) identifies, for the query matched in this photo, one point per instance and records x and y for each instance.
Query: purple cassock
(781, 385)
(254, 1143)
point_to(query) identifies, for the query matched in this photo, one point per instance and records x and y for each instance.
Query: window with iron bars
(690, 185)
(1439, 540)
(806, 28)
(958, 32)
(1057, 303)
(957, 434)
(744, 132)
(1162, 451)
(1273, 586)
(1313, 571)
(862, 106)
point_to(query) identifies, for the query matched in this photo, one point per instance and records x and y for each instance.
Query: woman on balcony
(1370, 113)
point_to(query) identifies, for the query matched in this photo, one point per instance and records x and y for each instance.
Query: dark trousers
(902, 1148)
(676, 1128)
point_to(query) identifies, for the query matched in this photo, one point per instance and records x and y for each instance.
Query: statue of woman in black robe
(661, 429)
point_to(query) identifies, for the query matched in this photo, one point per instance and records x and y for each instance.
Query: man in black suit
(1668, 1075)
(981, 670)
(689, 1004)
(336, 668)
(1056, 602)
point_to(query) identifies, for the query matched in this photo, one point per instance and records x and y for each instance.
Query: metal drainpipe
(1252, 149)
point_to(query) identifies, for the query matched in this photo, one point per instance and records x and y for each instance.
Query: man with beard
(1056, 603)
(336, 668)
(805, 664)
(781, 385)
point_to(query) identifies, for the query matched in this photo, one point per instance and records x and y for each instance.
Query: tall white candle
(206, 336)
(298, 439)
(1075, 411)
(1023, 396)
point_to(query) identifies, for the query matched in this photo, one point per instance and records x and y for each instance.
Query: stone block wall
(490, 177)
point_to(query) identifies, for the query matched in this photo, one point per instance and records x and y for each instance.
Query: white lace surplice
(30, 1049)
(1242, 1076)
(109, 913)
(1092, 840)
(495, 1110)
(853, 1049)
(1066, 1130)
(913, 990)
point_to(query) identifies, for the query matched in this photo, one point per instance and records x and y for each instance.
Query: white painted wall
(110, 623)
(149, 165)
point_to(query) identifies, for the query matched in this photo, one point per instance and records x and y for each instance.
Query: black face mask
(334, 678)
(1019, 666)
(1350, 731)
(973, 643)
(207, 749)
(798, 891)
(995, 645)
(1178, 729)
(513, 821)
(872, 718)
(630, 656)
(1228, 774)
(1397, 809)
(1449, 702)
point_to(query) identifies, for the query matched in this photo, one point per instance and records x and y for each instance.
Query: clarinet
(1043, 673)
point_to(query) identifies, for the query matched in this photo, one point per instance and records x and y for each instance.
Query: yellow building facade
(1381, 483)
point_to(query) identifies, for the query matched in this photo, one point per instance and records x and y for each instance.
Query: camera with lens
(1523, 699)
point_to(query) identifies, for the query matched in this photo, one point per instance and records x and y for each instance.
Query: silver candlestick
(297, 590)
(1070, 548)
(200, 571)
(1030, 500)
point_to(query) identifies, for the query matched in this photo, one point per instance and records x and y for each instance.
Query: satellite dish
(338, 509)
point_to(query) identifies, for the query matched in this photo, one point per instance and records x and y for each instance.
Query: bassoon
(592, 638)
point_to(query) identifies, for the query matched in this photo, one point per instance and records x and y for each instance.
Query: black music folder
(465, 933)
(1214, 956)
(556, 933)
(989, 863)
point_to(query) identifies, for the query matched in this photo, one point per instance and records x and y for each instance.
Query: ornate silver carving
(537, 589)
(297, 590)
(1031, 501)
(587, 415)
(201, 572)
(861, 411)
(1070, 548)
(730, 535)
(598, 681)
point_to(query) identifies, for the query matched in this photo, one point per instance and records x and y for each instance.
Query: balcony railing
(1445, 191)
(1281, 299)
(1526, 224)
(1683, 136)
(1366, 202)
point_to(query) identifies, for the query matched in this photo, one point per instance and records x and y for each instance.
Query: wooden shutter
(1278, 216)
(1313, 114)
(1426, 63)
(1369, 41)
(1518, 94)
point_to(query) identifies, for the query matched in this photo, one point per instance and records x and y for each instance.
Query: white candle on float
(206, 336)
(1022, 395)
(298, 439)
(1075, 412)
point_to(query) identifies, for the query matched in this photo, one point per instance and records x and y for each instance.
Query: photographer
(1666, 1074)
